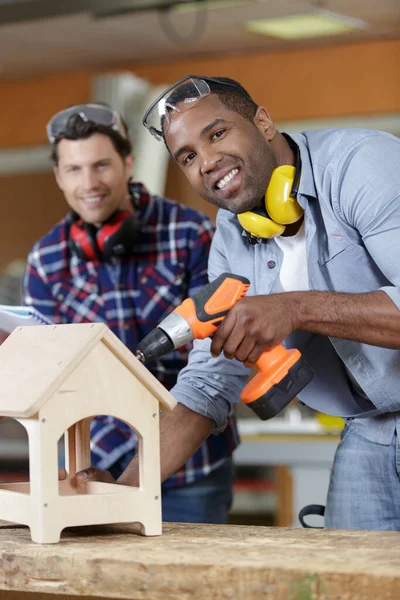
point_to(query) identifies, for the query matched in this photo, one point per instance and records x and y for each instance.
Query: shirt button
(144, 280)
(121, 286)
(126, 327)
(60, 297)
(271, 264)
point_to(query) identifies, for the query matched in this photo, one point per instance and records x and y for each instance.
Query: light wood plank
(205, 561)
(34, 361)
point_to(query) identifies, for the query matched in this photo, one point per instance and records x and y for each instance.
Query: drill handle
(206, 310)
(215, 299)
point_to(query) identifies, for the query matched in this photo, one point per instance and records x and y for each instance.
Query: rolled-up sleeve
(210, 386)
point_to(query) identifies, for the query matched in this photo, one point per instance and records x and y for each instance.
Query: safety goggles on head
(177, 98)
(99, 114)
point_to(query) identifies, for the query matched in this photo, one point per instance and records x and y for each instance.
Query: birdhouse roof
(34, 361)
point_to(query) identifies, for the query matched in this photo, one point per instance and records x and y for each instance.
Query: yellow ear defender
(281, 206)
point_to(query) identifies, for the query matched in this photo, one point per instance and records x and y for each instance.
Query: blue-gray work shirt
(350, 192)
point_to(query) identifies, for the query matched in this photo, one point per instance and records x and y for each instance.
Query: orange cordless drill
(282, 373)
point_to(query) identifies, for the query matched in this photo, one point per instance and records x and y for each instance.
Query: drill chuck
(173, 332)
(154, 345)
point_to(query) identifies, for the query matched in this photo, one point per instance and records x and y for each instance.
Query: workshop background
(313, 64)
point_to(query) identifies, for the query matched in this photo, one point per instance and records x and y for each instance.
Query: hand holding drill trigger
(282, 373)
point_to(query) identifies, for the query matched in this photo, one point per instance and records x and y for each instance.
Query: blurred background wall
(330, 82)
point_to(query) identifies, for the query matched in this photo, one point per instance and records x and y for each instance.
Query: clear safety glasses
(102, 115)
(177, 98)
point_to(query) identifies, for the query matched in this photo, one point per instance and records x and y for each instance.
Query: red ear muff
(117, 237)
(83, 241)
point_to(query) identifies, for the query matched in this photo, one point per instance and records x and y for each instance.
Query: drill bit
(140, 356)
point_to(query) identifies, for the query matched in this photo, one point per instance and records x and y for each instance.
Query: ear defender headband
(116, 237)
(281, 206)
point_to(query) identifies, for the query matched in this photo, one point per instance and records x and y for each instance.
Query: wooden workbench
(190, 562)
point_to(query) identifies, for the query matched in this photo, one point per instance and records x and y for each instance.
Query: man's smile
(93, 201)
(223, 182)
(227, 182)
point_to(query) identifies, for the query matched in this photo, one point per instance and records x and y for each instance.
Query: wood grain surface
(210, 562)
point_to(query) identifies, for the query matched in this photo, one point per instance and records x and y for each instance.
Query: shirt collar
(306, 185)
(140, 195)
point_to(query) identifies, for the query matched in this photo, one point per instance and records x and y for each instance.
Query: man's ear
(129, 162)
(56, 172)
(264, 123)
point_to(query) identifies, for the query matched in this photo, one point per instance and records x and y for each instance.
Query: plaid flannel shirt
(131, 295)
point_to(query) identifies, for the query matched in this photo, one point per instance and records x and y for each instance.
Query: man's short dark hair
(80, 129)
(234, 96)
(230, 93)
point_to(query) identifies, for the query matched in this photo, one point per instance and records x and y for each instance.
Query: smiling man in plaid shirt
(125, 257)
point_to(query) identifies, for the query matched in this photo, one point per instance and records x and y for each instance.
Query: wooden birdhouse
(54, 380)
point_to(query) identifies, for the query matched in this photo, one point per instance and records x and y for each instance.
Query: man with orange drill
(320, 246)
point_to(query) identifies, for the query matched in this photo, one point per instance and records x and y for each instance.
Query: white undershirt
(293, 276)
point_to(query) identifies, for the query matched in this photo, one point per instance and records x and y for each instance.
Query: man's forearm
(371, 318)
(182, 432)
